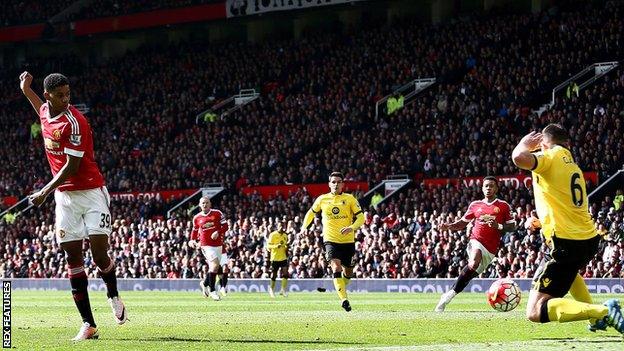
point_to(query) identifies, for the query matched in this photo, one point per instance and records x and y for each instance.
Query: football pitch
(302, 321)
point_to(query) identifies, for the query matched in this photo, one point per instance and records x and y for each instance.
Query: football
(504, 295)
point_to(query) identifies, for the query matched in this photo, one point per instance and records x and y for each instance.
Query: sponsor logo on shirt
(486, 217)
(51, 144)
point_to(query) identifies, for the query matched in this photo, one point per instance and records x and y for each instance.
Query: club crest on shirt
(496, 210)
(546, 282)
(56, 134)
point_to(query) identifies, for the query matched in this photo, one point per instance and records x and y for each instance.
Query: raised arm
(34, 99)
(522, 156)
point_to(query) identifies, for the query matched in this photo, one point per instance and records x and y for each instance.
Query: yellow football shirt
(280, 239)
(337, 212)
(560, 196)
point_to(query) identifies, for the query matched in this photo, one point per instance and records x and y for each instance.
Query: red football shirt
(205, 224)
(481, 210)
(69, 133)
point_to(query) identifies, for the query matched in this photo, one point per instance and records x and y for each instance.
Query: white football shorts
(212, 253)
(81, 213)
(486, 256)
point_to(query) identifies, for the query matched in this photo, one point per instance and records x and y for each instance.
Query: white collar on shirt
(55, 117)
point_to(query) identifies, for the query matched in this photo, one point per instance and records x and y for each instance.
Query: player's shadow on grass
(243, 341)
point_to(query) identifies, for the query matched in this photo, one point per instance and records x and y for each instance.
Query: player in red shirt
(209, 226)
(82, 201)
(492, 218)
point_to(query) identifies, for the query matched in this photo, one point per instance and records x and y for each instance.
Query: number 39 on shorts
(105, 220)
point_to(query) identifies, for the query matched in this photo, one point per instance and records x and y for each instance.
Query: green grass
(302, 321)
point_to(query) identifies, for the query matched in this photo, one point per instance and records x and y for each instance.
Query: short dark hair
(492, 178)
(54, 80)
(556, 133)
(336, 174)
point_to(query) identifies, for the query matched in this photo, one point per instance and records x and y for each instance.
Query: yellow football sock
(579, 292)
(346, 280)
(566, 310)
(272, 284)
(341, 288)
(284, 283)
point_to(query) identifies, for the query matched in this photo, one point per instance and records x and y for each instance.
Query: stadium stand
(18, 12)
(318, 94)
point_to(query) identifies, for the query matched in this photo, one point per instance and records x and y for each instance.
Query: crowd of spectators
(20, 12)
(107, 8)
(316, 114)
(391, 244)
(318, 102)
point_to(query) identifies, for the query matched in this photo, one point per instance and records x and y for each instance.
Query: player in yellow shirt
(341, 216)
(278, 251)
(569, 231)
